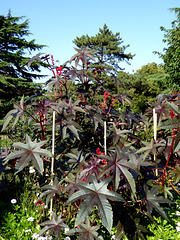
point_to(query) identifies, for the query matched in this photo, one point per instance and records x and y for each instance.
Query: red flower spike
(52, 59)
(59, 70)
(98, 151)
(172, 114)
(104, 161)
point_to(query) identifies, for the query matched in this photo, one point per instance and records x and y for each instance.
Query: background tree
(108, 46)
(109, 53)
(143, 86)
(171, 54)
(15, 77)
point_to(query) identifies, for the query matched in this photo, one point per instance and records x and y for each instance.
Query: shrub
(99, 172)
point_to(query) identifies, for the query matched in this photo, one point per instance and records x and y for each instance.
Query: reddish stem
(170, 152)
(41, 124)
(51, 68)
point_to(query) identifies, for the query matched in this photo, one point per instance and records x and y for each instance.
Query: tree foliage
(171, 53)
(109, 51)
(15, 77)
(143, 86)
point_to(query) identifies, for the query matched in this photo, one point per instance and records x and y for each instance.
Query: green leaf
(119, 164)
(150, 147)
(95, 194)
(174, 107)
(51, 190)
(120, 231)
(152, 201)
(177, 142)
(177, 174)
(82, 55)
(28, 152)
(166, 191)
(171, 123)
(53, 82)
(16, 113)
(140, 229)
(56, 225)
(118, 133)
(86, 231)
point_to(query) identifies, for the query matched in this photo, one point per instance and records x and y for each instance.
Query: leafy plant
(106, 174)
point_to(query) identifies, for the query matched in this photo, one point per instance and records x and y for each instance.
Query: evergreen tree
(171, 54)
(15, 77)
(109, 49)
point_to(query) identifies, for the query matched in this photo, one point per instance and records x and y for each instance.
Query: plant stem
(170, 152)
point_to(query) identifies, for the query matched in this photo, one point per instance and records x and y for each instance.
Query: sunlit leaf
(94, 166)
(53, 82)
(150, 147)
(177, 174)
(118, 133)
(29, 151)
(17, 112)
(55, 225)
(95, 194)
(51, 190)
(118, 163)
(71, 107)
(152, 201)
(86, 231)
(36, 57)
(82, 55)
(171, 123)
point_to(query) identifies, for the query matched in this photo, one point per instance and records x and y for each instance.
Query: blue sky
(56, 23)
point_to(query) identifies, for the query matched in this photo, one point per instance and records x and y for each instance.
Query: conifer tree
(15, 77)
(109, 49)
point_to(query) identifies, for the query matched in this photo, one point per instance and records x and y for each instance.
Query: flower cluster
(31, 170)
(80, 98)
(106, 95)
(30, 219)
(98, 151)
(172, 114)
(59, 70)
(37, 237)
(108, 99)
(178, 227)
(13, 201)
